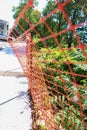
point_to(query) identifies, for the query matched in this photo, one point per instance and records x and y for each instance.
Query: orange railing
(55, 68)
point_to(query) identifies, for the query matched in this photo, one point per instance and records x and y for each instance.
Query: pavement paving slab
(15, 112)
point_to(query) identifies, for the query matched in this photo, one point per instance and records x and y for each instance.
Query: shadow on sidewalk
(21, 94)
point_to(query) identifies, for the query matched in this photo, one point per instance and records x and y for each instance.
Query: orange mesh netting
(53, 56)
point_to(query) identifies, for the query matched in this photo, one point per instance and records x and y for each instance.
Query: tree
(76, 11)
(30, 14)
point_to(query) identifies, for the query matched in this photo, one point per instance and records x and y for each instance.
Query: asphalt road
(15, 113)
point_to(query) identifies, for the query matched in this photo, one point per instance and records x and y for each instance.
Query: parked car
(3, 37)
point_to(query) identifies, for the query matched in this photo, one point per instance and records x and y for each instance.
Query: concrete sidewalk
(15, 113)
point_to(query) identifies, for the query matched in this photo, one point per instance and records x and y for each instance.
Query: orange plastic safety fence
(55, 63)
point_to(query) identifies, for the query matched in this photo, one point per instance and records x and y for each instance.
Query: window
(1, 26)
